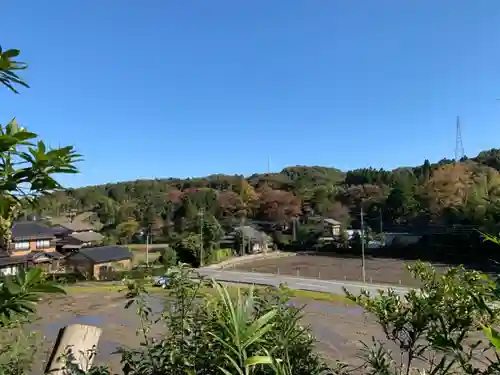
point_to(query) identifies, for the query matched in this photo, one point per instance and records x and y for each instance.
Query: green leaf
(258, 360)
(224, 371)
(493, 335)
(11, 53)
(33, 276)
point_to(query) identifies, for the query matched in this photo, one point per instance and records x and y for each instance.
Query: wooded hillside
(444, 193)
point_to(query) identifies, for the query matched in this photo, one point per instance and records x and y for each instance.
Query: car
(161, 281)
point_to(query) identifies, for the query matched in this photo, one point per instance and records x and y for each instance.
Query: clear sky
(159, 88)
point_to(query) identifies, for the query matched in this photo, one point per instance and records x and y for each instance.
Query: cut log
(76, 343)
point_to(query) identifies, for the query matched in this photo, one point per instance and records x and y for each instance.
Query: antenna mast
(459, 146)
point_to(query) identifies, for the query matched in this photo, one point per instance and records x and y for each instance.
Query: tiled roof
(102, 254)
(48, 254)
(7, 261)
(332, 221)
(87, 236)
(77, 225)
(12, 260)
(27, 230)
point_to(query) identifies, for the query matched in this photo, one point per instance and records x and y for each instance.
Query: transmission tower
(459, 145)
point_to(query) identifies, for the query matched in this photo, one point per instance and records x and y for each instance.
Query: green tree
(27, 165)
(127, 230)
(8, 68)
(400, 205)
(212, 235)
(433, 325)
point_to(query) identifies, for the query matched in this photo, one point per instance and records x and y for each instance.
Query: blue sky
(159, 88)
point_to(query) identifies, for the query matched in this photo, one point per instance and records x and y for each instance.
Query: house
(32, 245)
(73, 235)
(254, 240)
(333, 227)
(329, 227)
(98, 262)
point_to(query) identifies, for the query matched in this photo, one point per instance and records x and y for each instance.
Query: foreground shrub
(221, 332)
(435, 327)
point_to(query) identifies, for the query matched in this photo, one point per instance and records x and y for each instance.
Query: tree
(279, 205)
(230, 204)
(339, 212)
(433, 325)
(9, 67)
(212, 235)
(426, 170)
(27, 165)
(400, 205)
(127, 230)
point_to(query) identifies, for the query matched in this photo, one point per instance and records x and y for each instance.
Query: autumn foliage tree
(278, 205)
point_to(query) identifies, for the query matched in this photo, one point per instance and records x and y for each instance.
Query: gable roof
(30, 230)
(87, 236)
(250, 233)
(332, 221)
(77, 225)
(102, 254)
(35, 257)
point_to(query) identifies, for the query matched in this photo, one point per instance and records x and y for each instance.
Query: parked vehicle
(161, 281)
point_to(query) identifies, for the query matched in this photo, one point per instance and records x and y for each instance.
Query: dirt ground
(378, 270)
(338, 327)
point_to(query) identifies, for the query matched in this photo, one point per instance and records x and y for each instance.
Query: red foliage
(230, 203)
(279, 205)
(174, 196)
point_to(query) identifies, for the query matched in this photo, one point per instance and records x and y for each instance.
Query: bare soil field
(338, 327)
(378, 270)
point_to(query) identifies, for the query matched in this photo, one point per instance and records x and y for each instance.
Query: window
(21, 245)
(42, 244)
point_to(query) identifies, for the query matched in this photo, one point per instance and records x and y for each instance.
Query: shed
(98, 262)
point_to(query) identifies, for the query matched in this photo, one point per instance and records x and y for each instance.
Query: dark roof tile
(77, 226)
(25, 230)
(103, 254)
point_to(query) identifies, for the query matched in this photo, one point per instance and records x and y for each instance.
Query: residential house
(99, 262)
(329, 227)
(74, 235)
(332, 227)
(254, 240)
(32, 245)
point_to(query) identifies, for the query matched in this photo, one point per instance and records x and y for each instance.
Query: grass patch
(96, 287)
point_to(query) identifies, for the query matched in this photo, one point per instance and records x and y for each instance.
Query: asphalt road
(316, 285)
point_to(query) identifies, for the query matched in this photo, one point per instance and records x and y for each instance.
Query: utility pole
(363, 246)
(294, 228)
(381, 222)
(202, 221)
(382, 238)
(242, 233)
(147, 248)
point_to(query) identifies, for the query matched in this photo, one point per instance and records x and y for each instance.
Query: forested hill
(467, 192)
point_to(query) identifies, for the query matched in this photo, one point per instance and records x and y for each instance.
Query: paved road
(316, 285)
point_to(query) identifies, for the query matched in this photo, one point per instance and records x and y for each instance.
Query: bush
(66, 278)
(234, 333)
(168, 258)
(434, 327)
